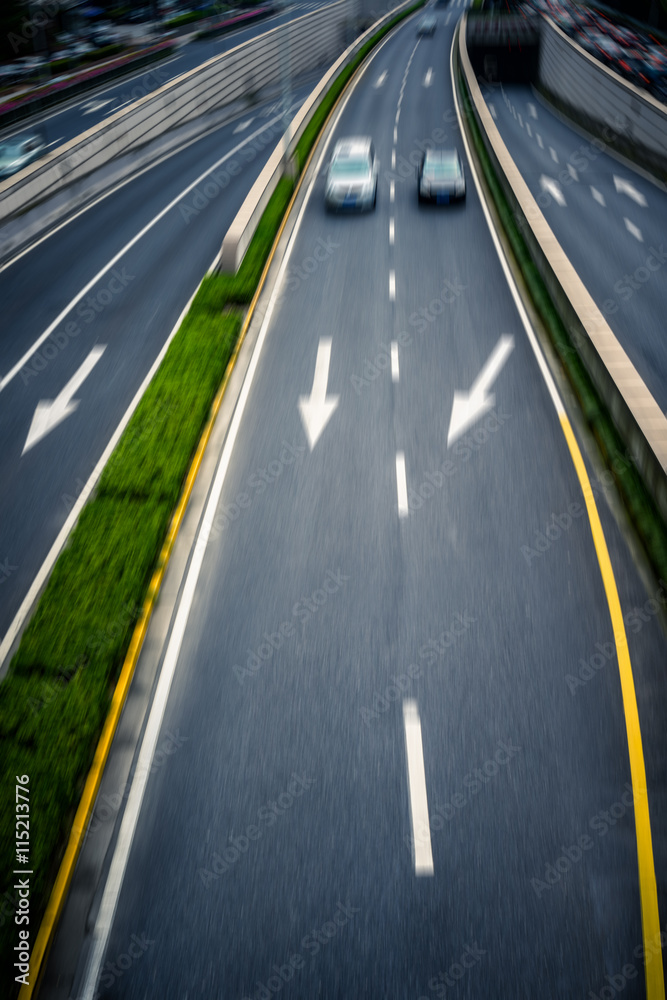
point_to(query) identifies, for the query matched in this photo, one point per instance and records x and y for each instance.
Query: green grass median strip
(643, 513)
(58, 689)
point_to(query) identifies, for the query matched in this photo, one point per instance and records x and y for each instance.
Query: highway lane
(609, 219)
(272, 854)
(130, 308)
(86, 110)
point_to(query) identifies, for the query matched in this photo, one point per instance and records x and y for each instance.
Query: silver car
(440, 176)
(352, 178)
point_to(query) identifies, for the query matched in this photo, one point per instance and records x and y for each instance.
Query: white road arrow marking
(470, 406)
(242, 126)
(91, 106)
(51, 412)
(625, 187)
(552, 187)
(380, 80)
(428, 79)
(317, 408)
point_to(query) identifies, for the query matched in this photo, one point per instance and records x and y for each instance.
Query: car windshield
(441, 170)
(350, 165)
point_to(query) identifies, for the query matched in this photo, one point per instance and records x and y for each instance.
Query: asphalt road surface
(609, 219)
(62, 124)
(117, 277)
(385, 628)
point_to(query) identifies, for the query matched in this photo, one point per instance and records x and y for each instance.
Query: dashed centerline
(401, 485)
(394, 361)
(392, 286)
(414, 749)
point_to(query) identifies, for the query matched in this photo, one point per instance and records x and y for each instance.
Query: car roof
(352, 146)
(442, 155)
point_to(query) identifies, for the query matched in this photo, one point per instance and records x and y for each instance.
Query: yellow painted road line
(56, 902)
(648, 891)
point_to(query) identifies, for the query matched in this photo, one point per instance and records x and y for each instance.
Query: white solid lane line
(633, 230)
(393, 159)
(599, 197)
(395, 134)
(394, 361)
(13, 372)
(398, 115)
(414, 749)
(109, 901)
(392, 191)
(392, 232)
(401, 485)
(392, 286)
(380, 80)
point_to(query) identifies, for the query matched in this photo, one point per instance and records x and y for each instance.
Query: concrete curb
(634, 411)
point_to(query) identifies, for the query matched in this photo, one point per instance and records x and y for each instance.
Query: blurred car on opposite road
(427, 25)
(352, 178)
(440, 176)
(18, 151)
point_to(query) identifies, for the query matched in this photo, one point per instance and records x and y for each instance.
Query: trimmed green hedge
(57, 693)
(639, 504)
